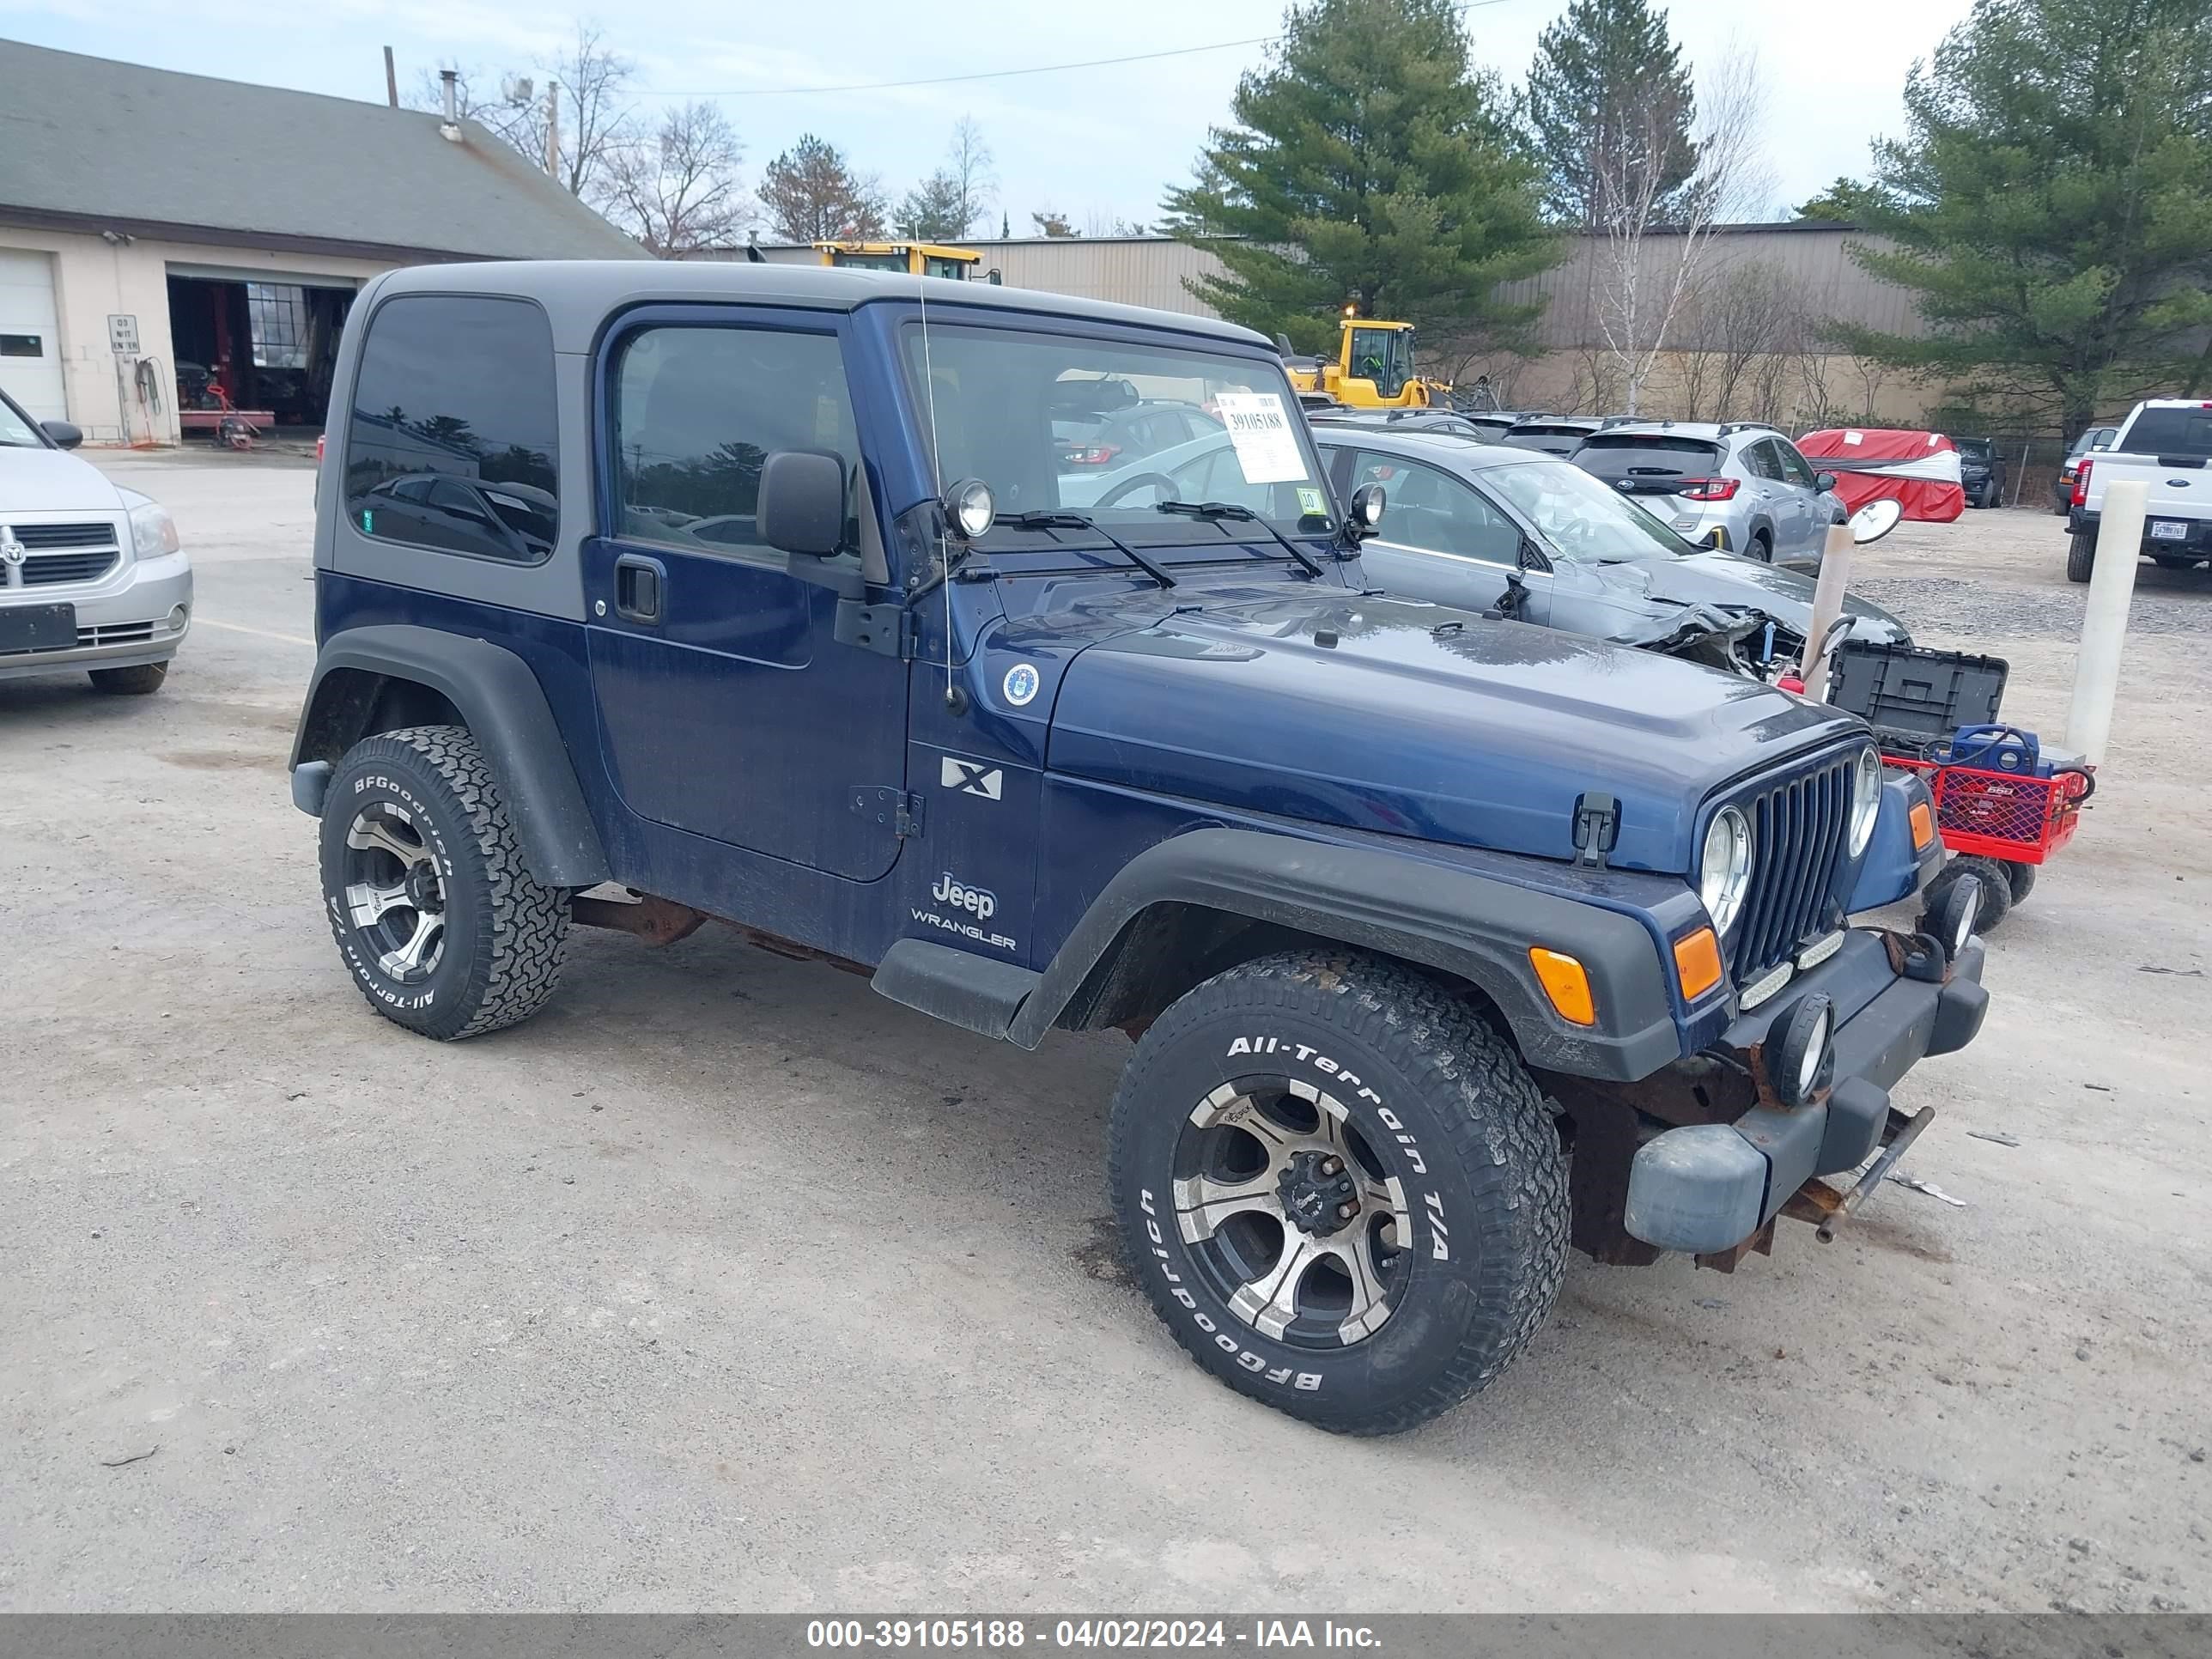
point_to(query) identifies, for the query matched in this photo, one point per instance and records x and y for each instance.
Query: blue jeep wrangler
(790, 598)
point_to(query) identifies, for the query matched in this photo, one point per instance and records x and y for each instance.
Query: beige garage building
(169, 242)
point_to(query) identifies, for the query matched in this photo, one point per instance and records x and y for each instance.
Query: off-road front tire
(141, 679)
(2081, 556)
(435, 912)
(1339, 1189)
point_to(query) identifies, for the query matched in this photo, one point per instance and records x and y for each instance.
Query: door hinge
(897, 810)
(886, 629)
(1597, 829)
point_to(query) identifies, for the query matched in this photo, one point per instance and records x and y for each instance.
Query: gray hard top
(579, 295)
(1456, 454)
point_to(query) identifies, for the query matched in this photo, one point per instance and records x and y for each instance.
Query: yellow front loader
(1373, 369)
(914, 259)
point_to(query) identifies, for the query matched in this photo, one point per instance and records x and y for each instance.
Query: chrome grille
(1797, 828)
(36, 537)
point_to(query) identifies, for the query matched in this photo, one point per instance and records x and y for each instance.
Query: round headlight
(969, 506)
(1866, 800)
(1724, 868)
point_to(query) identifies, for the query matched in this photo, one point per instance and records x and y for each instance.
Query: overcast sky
(1092, 144)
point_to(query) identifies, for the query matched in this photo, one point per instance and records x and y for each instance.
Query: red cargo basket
(2002, 815)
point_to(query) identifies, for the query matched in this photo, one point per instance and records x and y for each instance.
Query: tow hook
(1873, 1178)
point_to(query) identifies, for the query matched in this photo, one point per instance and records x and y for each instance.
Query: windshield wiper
(1063, 519)
(1214, 512)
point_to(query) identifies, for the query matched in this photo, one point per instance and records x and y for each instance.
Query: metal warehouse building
(170, 243)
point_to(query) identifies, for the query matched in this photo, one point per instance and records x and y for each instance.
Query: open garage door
(30, 335)
(264, 342)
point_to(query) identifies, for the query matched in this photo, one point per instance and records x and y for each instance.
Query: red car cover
(1920, 469)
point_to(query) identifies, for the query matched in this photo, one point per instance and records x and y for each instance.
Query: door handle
(638, 584)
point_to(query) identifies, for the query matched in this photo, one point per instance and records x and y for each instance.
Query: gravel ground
(726, 1284)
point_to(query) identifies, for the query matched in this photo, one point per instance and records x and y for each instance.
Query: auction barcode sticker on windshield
(1266, 448)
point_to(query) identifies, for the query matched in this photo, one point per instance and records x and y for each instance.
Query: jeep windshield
(1059, 423)
(1578, 517)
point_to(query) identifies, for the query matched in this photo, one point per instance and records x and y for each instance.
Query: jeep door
(1440, 539)
(726, 707)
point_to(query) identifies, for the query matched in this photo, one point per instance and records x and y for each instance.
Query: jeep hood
(1411, 719)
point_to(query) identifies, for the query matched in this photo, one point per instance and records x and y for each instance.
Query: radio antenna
(937, 482)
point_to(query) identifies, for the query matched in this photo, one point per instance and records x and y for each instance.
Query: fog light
(1566, 983)
(969, 506)
(1799, 1054)
(1953, 922)
(177, 615)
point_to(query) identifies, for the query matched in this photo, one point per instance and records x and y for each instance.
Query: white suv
(91, 574)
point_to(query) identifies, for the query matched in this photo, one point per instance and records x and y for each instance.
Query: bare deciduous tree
(597, 123)
(968, 166)
(678, 192)
(1652, 248)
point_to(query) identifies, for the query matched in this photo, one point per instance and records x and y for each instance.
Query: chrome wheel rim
(1289, 1213)
(395, 892)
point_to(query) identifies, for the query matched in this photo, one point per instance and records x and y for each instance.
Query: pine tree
(1609, 94)
(1368, 164)
(812, 196)
(2051, 205)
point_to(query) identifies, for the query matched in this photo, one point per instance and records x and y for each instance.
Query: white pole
(1827, 606)
(2105, 622)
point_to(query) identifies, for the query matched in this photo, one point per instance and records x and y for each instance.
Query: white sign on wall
(122, 335)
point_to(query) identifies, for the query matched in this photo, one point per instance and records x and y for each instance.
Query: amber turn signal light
(1566, 983)
(1924, 826)
(1698, 962)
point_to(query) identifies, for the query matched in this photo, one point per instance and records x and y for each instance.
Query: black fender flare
(1759, 521)
(499, 698)
(1458, 922)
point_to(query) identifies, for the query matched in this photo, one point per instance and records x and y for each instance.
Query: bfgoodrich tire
(1339, 1189)
(2081, 556)
(437, 919)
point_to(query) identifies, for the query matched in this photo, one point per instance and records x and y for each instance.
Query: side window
(1760, 460)
(454, 392)
(1436, 513)
(1793, 463)
(696, 410)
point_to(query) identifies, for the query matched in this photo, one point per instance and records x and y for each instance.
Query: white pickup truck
(2166, 444)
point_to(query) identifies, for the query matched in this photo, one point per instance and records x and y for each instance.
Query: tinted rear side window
(2171, 432)
(457, 390)
(1641, 456)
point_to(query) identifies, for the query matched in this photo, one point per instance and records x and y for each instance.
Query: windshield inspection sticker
(1021, 683)
(1310, 502)
(1266, 448)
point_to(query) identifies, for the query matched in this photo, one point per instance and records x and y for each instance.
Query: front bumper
(122, 620)
(1707, 1187)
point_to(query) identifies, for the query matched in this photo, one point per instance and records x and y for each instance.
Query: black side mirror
(63, 433)
(1367, 504)
(801, 506)
(994, 277)
(1824, 482)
